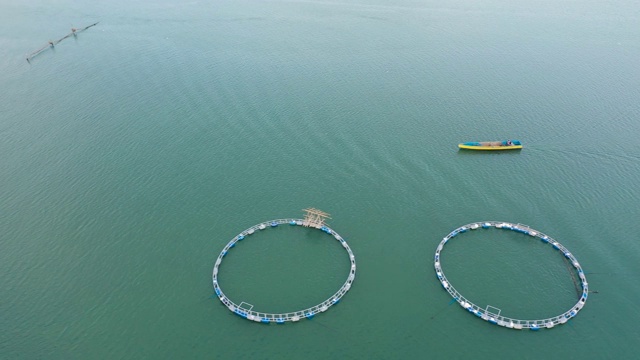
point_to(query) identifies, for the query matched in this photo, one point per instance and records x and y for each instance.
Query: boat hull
(476, 147)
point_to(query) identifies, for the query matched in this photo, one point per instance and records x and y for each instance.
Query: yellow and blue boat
(492, 145)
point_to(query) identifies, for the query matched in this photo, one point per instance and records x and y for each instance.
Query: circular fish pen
(493, 315)
(246, 311)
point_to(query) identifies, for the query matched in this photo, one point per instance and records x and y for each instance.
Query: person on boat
(509, 143)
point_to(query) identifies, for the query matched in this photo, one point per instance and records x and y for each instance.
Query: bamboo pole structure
(314, 218)
(51, 43)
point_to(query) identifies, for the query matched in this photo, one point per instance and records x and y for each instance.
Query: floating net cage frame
(245, 310)
(492, 314)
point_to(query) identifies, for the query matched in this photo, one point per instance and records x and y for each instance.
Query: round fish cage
(489, 314)
(280, 318)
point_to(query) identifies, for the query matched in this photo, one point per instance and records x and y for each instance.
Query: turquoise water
(134, 152)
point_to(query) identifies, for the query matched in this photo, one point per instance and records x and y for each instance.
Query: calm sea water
(134, 152)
